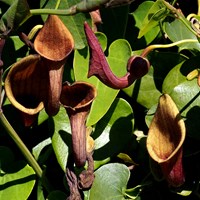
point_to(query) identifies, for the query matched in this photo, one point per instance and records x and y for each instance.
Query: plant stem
(198, 2)
(180, 16)
(27, 154)
(159, 46)
(47, 11)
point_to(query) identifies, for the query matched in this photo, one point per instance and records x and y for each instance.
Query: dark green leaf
(16, 14)
(110, 182)
(17, 178)
(114, 131)
(61, 139)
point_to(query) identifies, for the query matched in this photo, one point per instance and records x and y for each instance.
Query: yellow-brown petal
(165, 138)
(54, 41)
(25, 85)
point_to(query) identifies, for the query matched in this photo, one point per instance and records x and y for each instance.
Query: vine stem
(27, 154)
(198, 2)
(159, 46)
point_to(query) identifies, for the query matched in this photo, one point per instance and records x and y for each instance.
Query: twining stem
(160, 46)
(27, 154)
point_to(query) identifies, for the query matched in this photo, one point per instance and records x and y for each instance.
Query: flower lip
(17, 92)
(77, 95)
(54, 41)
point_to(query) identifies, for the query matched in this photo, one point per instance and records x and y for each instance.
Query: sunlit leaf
(155, 14)
(110, 182)
(114, 131)
(139, 15)
(182, 33)
(17, 178)
(61, 139)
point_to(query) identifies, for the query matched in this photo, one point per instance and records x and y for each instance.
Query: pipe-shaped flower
(137, 66)
(54, 43)
(165, 140)
(77, 100)
(35, 81)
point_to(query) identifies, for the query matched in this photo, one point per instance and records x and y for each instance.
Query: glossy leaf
(61, 139)
(182, 33)
(119, 53)
(17, 178)
(110, 182)
(148, 89)
(139, 15)
(144, 90)
(74, 23)
(114, 131)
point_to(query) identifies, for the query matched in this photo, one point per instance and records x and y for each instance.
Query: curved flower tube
(137, 66)
(77, 99)
(165, 140)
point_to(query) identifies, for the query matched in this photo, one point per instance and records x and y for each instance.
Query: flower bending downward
(137, 66)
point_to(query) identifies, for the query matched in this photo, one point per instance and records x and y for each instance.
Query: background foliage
(119, 118)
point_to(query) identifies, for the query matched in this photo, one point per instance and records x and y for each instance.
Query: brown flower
(164, 141)
(77, 99)
(35, 81)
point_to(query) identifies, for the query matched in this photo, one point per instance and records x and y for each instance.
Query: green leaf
(16, 14)
(110, 182)
(186, 96)
(114, 131)
(17, 178)
(139, 15)
(183, 32)
(119, 53)
(156, 13)
(144, 90)
(148, 89)
(9, 2)
(39, 147)
(61, 139)
(74, 23)
(174, 78)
